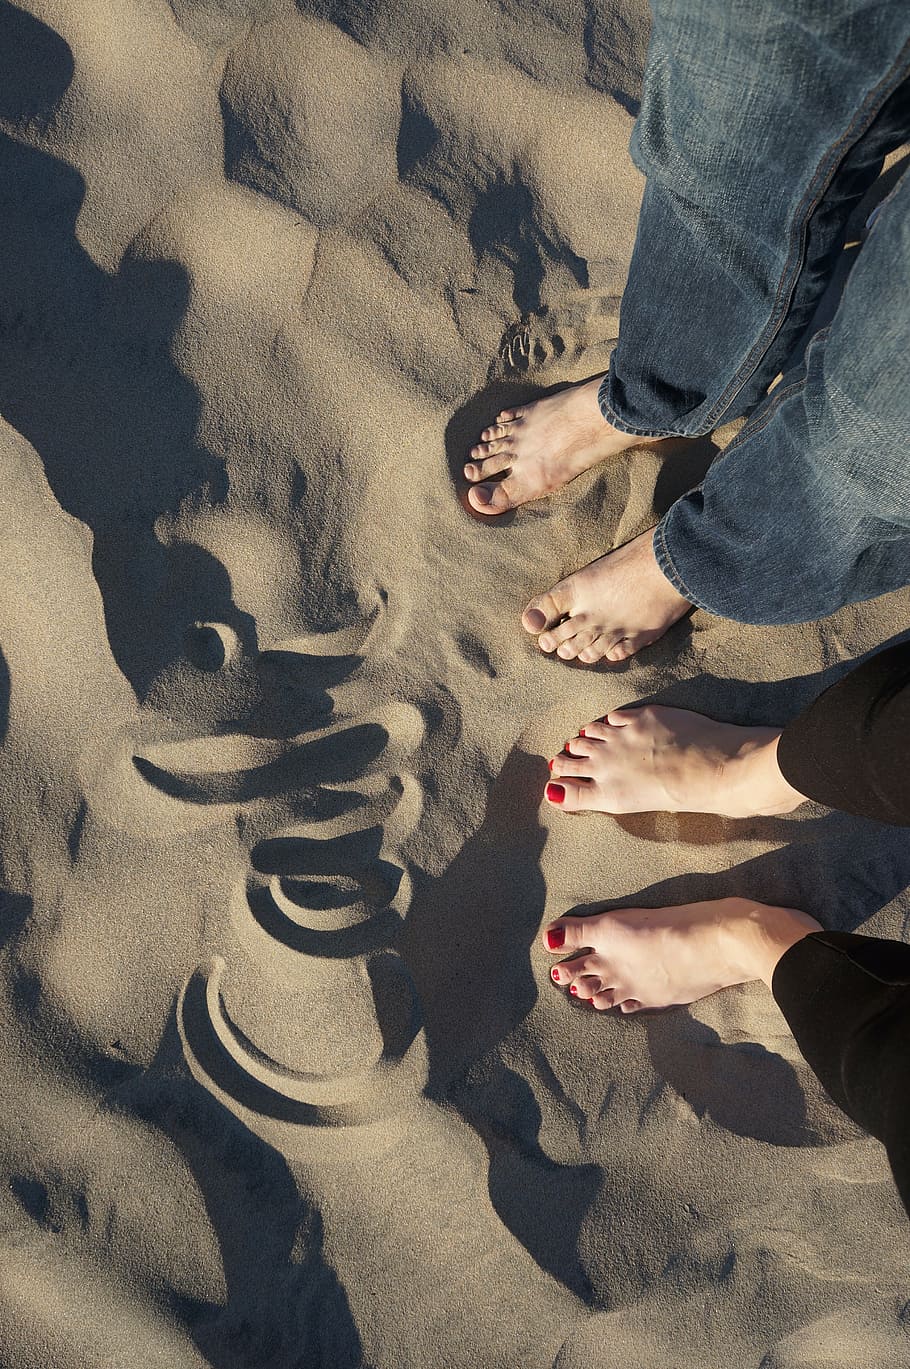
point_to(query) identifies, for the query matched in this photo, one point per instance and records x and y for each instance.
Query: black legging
(847, 998)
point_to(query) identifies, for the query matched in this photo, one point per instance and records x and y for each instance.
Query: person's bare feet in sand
(653, 758)
(608, 610)
(543, 445)
(655, 957)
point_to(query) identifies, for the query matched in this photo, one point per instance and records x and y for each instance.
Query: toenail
(483, 494)
(550, 764)
(581, 732)
(572, 989)
(556, 793)
(555, 974)
(537, 620)
(556, 937)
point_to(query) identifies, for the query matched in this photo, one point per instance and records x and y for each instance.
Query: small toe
(509, 415)
(579, 642)
(493, 447)
(577, 746)
(594, 652)
(486, 469)
(589, 988)
(620, 651)
(604, 1000)
(621, 717)
(556, 636)
(572, 766)
(629, 1005)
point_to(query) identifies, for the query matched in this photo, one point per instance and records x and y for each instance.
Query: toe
(499, 444)
(603, 1000)
(564, 935)
(546, 611)
(621, 717)
(620, 651)
(577, 746)
(491, 434)
(487, 468)
(492, 498)
(571, 795)
(577, 643)
(589, 988)
(629, 1005)
(594, 652)
(509, 415)
(563, 765)
(556, 636)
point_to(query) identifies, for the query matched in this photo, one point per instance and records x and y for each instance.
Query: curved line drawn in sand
(319, 894)
(236, 768)
(218, 1051)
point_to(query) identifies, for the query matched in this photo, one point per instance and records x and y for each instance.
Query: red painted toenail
(572, 989)
(556, 793)
(550, 764)
(555, 974)
(556, 937)
(581, 732)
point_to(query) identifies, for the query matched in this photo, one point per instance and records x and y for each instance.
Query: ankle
(753, 780)
(760, 934)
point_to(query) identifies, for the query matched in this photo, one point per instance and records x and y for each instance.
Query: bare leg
(655, 957)
(543, 445)
(647, 759)
(610, 609)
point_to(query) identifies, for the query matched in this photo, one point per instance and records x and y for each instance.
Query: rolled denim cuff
(615, 418)
(668, 566)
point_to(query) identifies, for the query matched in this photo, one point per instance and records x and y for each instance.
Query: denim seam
(859, 126)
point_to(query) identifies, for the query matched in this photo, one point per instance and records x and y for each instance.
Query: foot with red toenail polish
(634, 958)
(654, 758)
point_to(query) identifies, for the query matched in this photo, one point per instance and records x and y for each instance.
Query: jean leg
(761, 126)
(808, 509)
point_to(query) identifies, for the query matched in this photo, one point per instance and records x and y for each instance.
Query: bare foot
(656, 957)
(609, 609)
(543, 445)
(652, 758)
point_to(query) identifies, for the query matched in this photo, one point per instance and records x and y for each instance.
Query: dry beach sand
(285, 1084)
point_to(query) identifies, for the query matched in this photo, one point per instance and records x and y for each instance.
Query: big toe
(490, 498)
(544, 612)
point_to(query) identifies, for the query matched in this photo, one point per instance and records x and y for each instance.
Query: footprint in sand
(581, 329)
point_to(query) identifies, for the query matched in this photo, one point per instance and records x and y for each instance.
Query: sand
(286, 1084)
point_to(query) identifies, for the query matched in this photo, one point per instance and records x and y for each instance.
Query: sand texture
(285, 1083)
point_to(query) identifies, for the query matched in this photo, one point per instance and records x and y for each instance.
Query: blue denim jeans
(763, 123)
